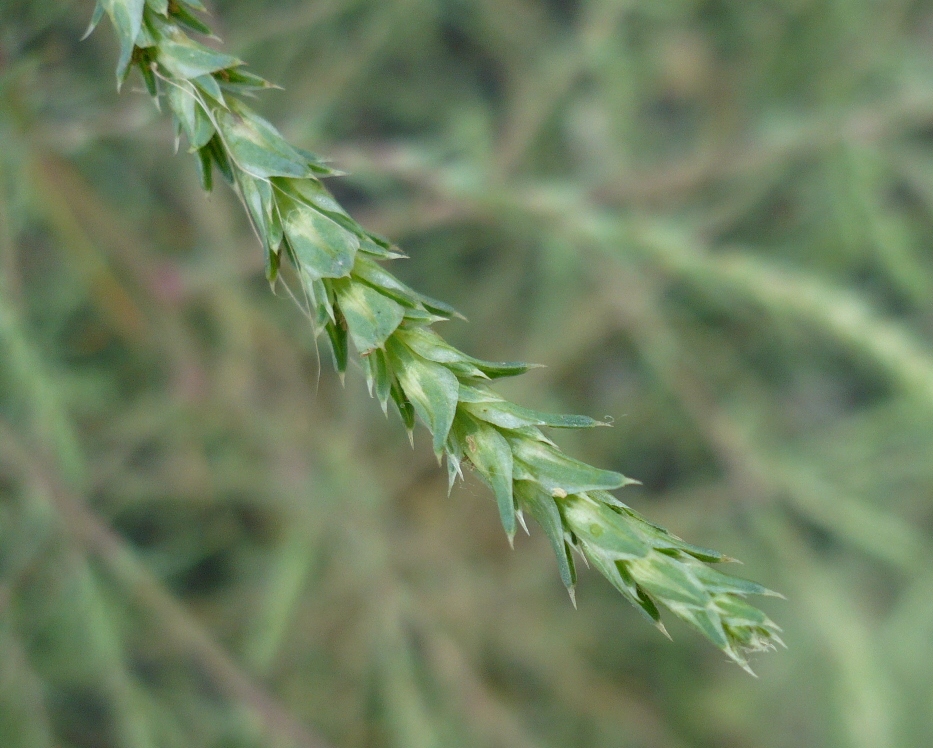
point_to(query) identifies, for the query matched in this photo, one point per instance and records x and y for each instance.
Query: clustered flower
(354, 299)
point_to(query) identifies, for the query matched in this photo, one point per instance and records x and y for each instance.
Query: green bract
(354, 299)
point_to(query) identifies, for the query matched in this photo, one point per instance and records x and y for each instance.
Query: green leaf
(322, 248)
(489, 452)
(644, 601)
(556, 420)
(596, 524)
(311, 192)
(371, 317)
(500, 369)
(557, 472)
(470, 394)
(209, 86)
(194, 120)
(219, 155)
(709, 624)
(623, 582)
(320, 298)
(159, 6)
(669, 580)
(377, 249)
(511, 416)
(185, 58)
(127, 18)
(615, 571)
(440, 308)
(421, 317)
(276, 232)
(317, 164)
(237, 79)
(737, 612)
(259, 199)
(544, 509)
(431, 388)
(405, 408)
(374, 274)
(186, 18)
(717, 582)
(378, 376)
(610, 500)
(606, 564)
(573, 571)
(661, 538)
(532, 433)
(148, 37)
(273, 260)
(337, 332)
(95, 19)
(433, 347)
(454, 451)
(257, 147)
(148, 77)
(428, 344)
(205, 169)
(703, 554)
(257, 194)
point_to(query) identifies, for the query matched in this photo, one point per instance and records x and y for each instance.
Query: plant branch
(352, 298)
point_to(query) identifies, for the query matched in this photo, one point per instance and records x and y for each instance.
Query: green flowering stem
(354, 299)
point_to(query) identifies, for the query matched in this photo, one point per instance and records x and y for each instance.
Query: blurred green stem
(865, 694)
(100, 541)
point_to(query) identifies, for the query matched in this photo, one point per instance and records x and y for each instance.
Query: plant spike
(355, 299)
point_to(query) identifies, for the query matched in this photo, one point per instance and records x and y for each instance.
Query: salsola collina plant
(353, 298)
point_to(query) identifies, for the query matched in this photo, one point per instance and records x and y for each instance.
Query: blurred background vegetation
(711, 219)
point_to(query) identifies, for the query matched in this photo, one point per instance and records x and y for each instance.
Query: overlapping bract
(353, 298)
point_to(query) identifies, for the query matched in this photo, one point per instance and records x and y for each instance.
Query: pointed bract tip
(411, 437)
(573, 596)
(663, 629)
(95, 19)
(521, 520)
